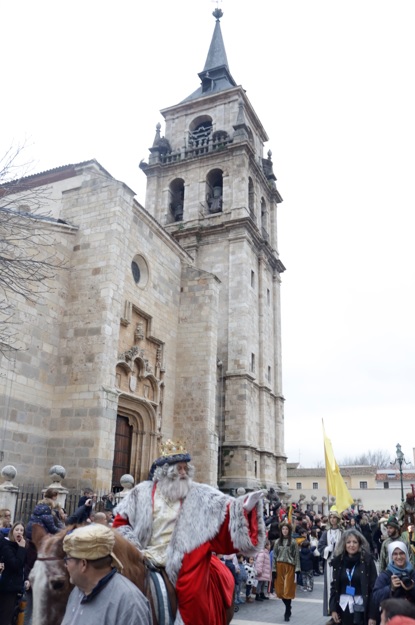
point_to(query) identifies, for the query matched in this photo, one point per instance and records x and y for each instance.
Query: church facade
(165, 321)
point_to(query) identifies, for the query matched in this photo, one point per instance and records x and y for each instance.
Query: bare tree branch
(28, 260)
(379, 458)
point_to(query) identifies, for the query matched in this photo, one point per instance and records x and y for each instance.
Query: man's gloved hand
(252, 500)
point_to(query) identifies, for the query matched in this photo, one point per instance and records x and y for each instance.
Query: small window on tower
(252, 279)
(139, 270)
(200, 132)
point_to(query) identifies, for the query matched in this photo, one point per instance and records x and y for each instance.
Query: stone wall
(59, 395)
(196, 371)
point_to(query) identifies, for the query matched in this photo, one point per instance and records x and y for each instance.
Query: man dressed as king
(180, 525)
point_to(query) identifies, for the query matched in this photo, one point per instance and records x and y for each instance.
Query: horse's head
(49, 578)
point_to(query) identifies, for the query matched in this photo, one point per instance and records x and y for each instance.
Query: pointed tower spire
(217, 54)
(216, 75)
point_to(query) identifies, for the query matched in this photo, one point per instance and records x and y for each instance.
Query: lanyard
(350, 574)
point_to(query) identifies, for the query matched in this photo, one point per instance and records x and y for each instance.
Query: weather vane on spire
(217, 12)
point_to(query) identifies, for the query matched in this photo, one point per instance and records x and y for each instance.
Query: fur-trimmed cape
(203, 512)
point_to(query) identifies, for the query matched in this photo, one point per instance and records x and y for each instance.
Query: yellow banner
(336, 486)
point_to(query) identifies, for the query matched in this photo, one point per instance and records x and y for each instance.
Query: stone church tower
(210, 186)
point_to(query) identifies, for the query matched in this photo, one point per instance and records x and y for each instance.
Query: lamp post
(400, 459)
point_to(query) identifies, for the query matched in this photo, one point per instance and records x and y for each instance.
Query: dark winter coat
(273, 526)
(81, 515)
(366, 531)
(366, 569)
(14, 557)
(383, 590)
(42, 515)
(307, 558)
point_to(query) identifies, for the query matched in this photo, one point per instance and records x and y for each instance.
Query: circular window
(136, 272)
(139, 269)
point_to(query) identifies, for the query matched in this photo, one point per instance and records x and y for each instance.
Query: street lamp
(400, 459)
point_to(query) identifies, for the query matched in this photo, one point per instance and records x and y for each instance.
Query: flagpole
(325, 468)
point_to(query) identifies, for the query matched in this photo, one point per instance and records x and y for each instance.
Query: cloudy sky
(333, 83)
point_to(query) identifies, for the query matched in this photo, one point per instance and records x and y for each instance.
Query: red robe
(204, 585)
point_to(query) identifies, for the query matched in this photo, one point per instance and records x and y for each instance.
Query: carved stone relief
(140, 363)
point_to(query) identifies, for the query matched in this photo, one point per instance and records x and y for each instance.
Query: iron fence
(29, 496)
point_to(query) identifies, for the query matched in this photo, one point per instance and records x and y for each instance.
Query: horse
(50, 580)
(51, 586)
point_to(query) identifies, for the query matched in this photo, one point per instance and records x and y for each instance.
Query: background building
(370, 487)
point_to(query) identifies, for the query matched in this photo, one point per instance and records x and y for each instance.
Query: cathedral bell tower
(210, 186)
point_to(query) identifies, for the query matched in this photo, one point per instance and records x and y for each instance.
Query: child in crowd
(251, 580)
(240, 580)
(263, 569)
(307, 565)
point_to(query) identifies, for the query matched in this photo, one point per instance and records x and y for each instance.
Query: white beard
(174, 488)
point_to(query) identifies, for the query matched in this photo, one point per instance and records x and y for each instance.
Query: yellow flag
(290, 514)
(335, 483)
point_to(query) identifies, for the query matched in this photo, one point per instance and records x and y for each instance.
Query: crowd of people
(18, 553)
(366, 558)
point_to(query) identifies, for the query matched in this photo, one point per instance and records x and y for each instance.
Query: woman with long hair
(287, 564)
(398, 581)
(354, 577)
(12, 583)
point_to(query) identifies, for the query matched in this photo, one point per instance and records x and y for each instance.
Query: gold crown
(172, 448)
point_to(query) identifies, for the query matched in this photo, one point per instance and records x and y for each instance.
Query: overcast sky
(333, 84)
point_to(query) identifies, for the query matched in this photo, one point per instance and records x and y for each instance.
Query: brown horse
(50, 580)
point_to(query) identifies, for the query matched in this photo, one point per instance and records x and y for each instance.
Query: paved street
(307, 609)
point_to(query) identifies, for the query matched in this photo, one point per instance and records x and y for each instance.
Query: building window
(269, 374)
(214, 190)
(315, 485)
(252, 279)
(385, 484)
(252, 365)
(139, 270)
(264, 219)
(176, 199)
(251, 199)
(298, 486)
(363, 484)
(268, 297)
(136, 272)
(200, 133)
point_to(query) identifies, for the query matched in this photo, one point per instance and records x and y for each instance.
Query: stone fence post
(127, 482)
(8, 492)
(57, 473)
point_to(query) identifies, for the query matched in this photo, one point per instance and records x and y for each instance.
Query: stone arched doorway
(135, 439)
